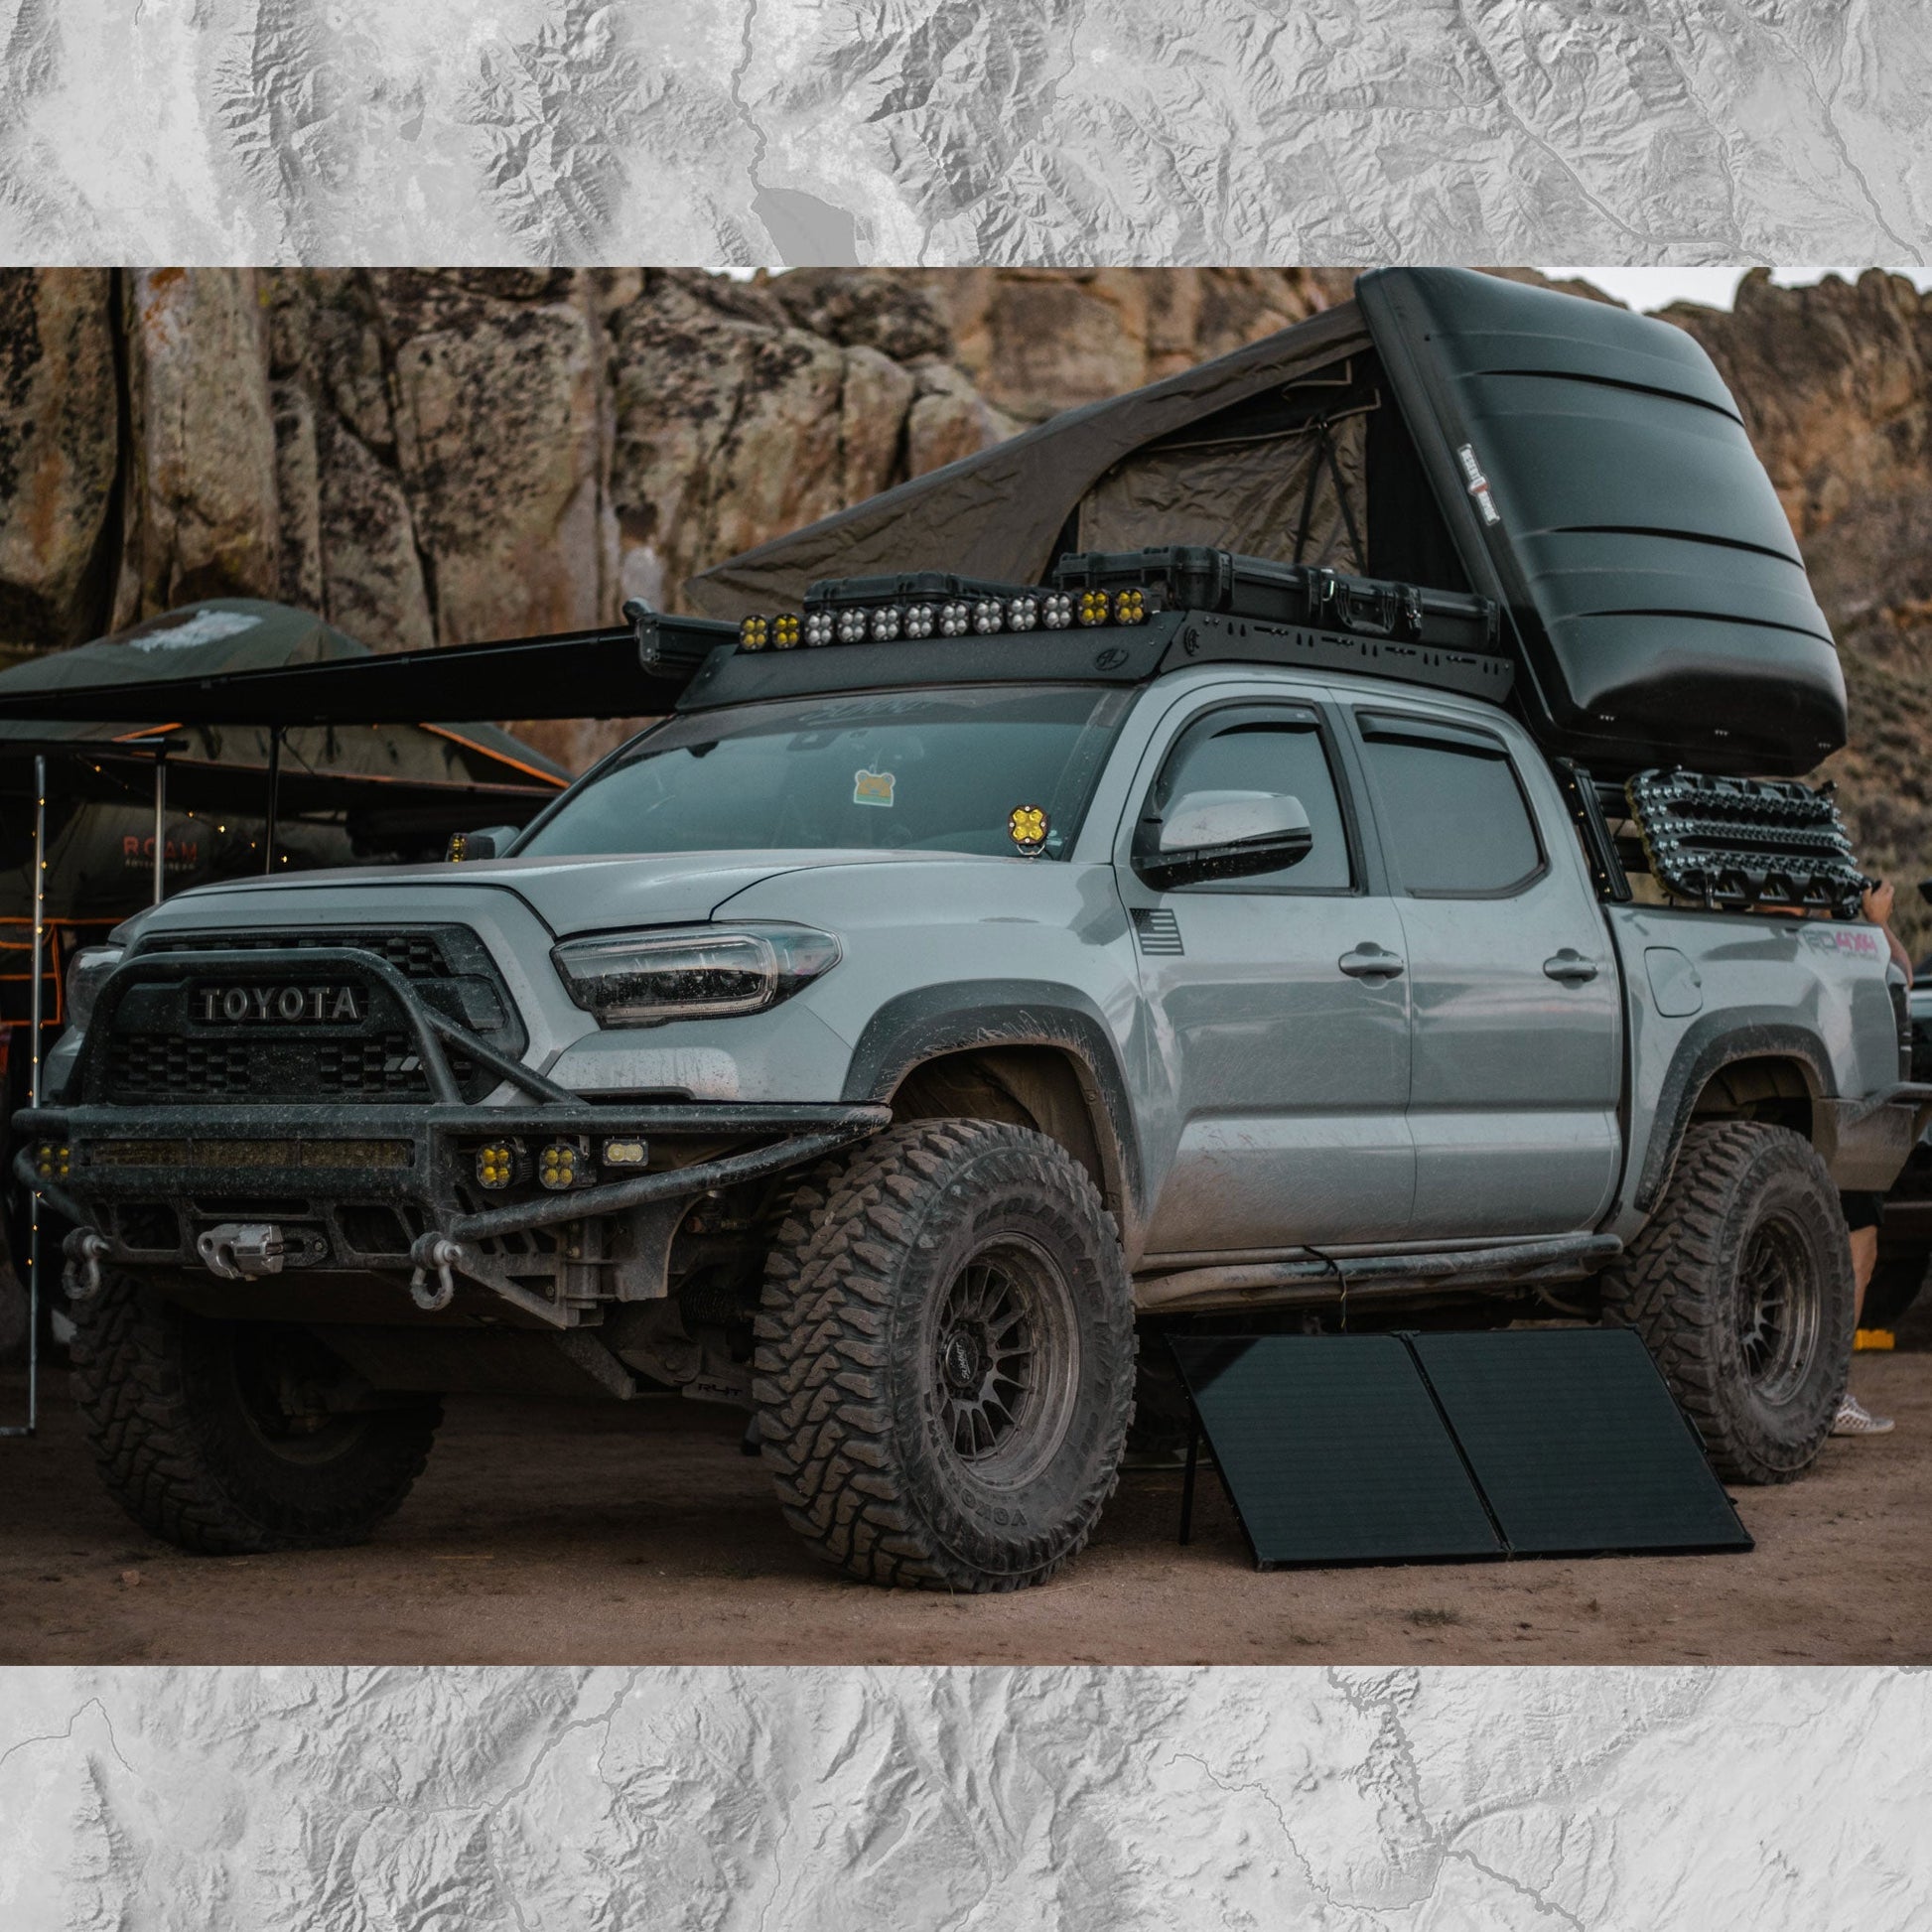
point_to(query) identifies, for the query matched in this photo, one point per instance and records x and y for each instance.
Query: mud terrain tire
(1741, 1286)
(945, 1359)
(188, 1425)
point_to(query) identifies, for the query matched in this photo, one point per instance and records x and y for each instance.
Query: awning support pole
(274, 795)
(160, 821)
(35, 1012)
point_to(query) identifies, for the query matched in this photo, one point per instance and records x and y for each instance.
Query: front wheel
(945, 1359)
(1741, 1286)
(228, 1438)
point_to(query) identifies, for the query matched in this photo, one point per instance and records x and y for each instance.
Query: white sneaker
(1855, 1418)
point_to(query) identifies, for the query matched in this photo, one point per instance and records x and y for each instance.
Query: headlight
(87, 971)
(702, 972)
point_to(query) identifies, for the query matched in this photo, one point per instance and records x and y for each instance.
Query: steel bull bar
(108, 1151)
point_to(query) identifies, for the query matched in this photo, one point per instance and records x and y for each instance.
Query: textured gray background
(830, 1801)
(764, 131)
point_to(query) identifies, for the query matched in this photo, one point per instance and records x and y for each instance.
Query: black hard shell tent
(1583, 466)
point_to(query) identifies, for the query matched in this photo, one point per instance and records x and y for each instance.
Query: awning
(240, 661)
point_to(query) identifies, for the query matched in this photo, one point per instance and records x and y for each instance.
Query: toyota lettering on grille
(283, 1003)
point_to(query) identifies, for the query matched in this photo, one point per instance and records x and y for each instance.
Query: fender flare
(1718, 1041)
(957, 1015)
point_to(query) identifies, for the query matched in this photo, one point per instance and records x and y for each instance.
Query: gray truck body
(1514, 1066)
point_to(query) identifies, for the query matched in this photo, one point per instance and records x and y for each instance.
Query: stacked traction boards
(1428, 1448)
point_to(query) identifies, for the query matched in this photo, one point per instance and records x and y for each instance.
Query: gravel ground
(546, 1534)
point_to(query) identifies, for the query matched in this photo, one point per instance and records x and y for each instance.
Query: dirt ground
(545, 1534)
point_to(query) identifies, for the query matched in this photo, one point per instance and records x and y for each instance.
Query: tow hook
(242, 1250)
(439, 1252)
(83, 1249)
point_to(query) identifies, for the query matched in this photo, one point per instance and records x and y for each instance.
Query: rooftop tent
(1582, 465)
(1245, 452)
(1598, 481)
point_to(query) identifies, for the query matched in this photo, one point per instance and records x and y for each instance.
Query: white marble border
(1411, 1800)
(767, 131)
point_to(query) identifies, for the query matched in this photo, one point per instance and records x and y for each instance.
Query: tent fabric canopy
(1001, 514)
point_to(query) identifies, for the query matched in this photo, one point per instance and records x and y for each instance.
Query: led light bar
(854, 611)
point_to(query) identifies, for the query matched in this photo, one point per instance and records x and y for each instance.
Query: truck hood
(570, 896)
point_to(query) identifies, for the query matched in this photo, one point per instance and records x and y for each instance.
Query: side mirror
(491, 843)
(1224, 835)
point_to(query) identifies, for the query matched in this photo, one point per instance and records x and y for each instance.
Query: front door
(1514, 990)
(1279, 1011)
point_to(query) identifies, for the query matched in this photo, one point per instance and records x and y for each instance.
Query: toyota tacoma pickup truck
(875, 1041)
(972, 977)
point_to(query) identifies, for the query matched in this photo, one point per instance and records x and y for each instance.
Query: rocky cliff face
(433, 457)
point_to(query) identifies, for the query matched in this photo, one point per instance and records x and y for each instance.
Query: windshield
(940, 770)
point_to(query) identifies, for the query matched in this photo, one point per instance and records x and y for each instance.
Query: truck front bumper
(378, 1189)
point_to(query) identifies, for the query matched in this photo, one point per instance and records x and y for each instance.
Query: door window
(1265, 747)
(1454, 819)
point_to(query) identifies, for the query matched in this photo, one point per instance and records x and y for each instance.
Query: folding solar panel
(1331, 1450)
(1578, 1444)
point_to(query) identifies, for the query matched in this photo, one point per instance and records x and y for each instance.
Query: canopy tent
(115, 776)
(1263, 450)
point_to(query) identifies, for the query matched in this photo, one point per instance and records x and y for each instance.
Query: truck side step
(1309, 1278)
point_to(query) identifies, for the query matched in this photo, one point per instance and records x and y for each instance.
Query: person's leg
(1861, 1215)
(1865, 1258)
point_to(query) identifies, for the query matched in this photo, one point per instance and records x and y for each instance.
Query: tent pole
(274, 795)
(160, 821)
(35, 1005)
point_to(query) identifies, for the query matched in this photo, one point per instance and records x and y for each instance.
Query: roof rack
(1114, 617)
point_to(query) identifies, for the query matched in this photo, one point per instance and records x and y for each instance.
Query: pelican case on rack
(1189, 577)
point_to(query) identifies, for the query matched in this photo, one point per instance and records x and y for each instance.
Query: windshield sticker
(1027, 827)
(871, 787)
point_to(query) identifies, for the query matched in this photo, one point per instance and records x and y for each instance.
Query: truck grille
(157, 1066)
(161, 1050)
(415, 954)
(382, 1068)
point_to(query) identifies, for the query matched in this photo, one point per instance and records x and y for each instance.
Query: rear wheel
(228, 1437)
(945, 1360)
(1741, 1286)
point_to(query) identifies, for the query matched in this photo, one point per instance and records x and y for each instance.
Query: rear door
(1517, 1015)
(1277, 1004)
